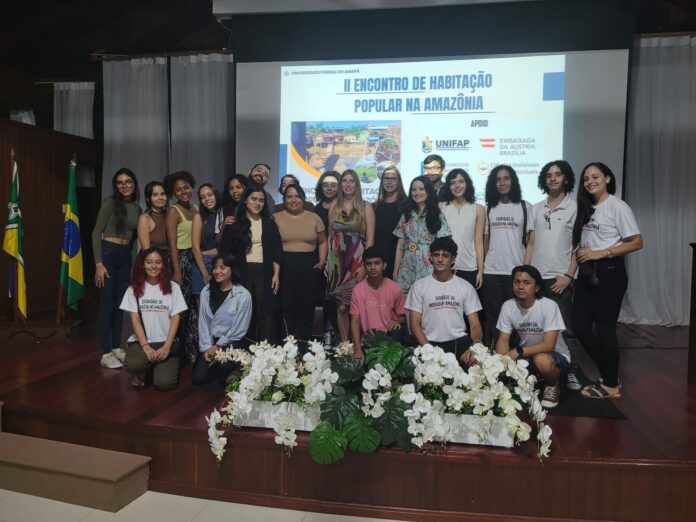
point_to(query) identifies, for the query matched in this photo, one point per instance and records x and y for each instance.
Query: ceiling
(49, 39)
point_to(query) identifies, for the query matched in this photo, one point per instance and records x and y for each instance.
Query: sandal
(598, 391)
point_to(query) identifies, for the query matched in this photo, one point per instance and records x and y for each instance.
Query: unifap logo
(426, 145)
(487, 143)
(452, 144)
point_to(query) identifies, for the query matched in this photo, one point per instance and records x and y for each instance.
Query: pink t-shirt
(377, 308)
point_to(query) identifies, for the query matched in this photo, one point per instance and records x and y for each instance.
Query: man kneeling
(438, 303)
(538, 323)
(377, 302)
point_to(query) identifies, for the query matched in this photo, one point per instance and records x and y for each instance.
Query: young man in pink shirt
(377, 302)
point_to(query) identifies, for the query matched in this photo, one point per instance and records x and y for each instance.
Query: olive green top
(106, 225)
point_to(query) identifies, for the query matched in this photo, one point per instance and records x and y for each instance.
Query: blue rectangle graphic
(554, 86)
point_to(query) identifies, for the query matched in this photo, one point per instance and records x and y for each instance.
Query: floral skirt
(187, 334)
(344, 265)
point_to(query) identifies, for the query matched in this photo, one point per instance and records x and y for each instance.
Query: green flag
(13, 243)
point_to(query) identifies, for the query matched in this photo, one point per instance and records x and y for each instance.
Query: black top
(386, 218)
(323, 213)
(208, 232)
(217, 297)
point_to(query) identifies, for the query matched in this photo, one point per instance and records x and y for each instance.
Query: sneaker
(572, 381)
(119, 353)
(109, 360)
(550, 397)
(329, 339)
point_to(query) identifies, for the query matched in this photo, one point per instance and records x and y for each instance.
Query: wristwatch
(520, 351)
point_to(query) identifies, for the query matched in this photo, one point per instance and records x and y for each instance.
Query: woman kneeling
(154, 302)
(223, 320)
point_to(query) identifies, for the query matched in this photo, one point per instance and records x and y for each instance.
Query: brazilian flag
(71, 278)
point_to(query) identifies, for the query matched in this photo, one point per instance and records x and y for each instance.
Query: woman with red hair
(154, 303)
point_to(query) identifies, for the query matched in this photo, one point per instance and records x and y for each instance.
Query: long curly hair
(585, 199)
(446, 195)
(138, 276)
(119, 200)
(226, 199)
(432, 211)
(566, 170)
(492, 194)
(318, 192)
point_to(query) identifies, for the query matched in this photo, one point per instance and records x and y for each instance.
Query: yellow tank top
(183, 231)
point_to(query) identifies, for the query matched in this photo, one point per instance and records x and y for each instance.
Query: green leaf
(338, 405)
(360, 435)
(373, 337)
(349, 370)
(232, 386)
(326, 444)
(405, 442)
(392, 425)
(406, 369)
(387, 353)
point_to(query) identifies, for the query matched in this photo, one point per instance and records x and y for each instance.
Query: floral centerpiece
(398, 396)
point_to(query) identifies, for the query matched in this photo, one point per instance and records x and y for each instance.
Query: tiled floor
(153, 507)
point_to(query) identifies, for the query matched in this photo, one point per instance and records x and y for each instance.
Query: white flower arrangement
(435, 394)
(442, 386)
(275, 374)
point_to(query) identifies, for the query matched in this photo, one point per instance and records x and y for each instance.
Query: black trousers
(455, 346)
(597, 304)
(261, 328)
(496, 290)
(298, 291)
(204, 372)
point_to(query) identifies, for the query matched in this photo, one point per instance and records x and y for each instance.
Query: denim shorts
(559, 360)
(197, 282)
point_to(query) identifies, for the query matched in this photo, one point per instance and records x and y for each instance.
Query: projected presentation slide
(475, 113)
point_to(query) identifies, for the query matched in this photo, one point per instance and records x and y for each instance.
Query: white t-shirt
(531, 323)
(443, 306)
(611, 222)
(553, 237)
(462, 223)
(156, 309)
(504, 227)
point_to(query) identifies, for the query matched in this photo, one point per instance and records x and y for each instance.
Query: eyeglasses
(127, 183)
(432, 169)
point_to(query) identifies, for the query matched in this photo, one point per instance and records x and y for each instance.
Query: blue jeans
(197, 282)
(117, 261)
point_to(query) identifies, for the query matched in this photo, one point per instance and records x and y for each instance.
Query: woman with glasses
(351, 230)
(113, 242)
(605, 231)
(387, 212)
(421, 222)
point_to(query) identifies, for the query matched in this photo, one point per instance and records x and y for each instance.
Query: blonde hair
(358, 203)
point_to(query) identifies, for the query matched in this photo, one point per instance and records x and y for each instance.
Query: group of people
(427, 265)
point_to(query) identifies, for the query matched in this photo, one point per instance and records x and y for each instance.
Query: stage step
(91, 477)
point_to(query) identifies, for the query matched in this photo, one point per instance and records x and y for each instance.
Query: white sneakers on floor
(111, 360)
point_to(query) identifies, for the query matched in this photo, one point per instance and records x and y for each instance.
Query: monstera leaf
(392, 424)
(406, 369)
(360, 435)
(374, 337)
(326, 444)
(388, 353)
(349, 370)
(338, 405)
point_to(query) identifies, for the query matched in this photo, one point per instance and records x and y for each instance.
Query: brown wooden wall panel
(42, 159)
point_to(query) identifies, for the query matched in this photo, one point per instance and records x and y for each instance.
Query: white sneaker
(109, 360)
(119, 353)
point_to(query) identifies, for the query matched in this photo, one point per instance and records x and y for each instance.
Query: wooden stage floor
(639, 468)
